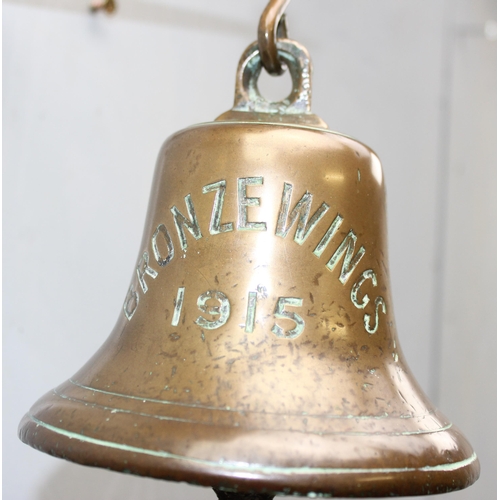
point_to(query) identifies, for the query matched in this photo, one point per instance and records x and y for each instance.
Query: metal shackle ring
(247, 95)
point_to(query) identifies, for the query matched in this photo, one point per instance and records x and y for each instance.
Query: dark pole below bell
(229, 495)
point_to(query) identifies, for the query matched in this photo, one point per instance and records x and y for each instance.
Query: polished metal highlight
(190, 224)
(245, 201)
(215, 224)
(142, 269)
(368, 274)
(179, 301)
(223, 310)
(327, 237)
(301, 212)
(162, 261)
(252, 305)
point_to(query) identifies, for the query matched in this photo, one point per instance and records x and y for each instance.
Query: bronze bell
(256, 350)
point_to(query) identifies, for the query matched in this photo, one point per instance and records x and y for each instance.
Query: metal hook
(272, 25)
(108, 6)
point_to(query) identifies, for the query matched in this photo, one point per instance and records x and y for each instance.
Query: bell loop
(250, 105)
(247, 94)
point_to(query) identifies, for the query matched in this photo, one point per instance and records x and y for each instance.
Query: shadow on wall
(76, 482)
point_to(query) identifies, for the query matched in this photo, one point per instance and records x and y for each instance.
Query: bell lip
(313, 481)
(274, 124)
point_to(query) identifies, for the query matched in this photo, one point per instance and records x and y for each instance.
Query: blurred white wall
(87, 102)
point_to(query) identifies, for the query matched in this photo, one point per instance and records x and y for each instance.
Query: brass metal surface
(256, 350)
(249, 105)
(108, 6)
(272, 25)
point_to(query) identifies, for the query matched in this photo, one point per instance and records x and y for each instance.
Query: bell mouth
(238, 451)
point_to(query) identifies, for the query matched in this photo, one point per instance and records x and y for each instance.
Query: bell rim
(240, 476)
